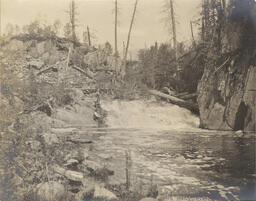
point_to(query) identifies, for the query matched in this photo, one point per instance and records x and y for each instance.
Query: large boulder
(36, 64)
(50, 138)
(104, 194)
(50, 191)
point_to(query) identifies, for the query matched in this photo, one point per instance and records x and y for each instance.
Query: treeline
(158, 67)
(227, 31)
(227, 28)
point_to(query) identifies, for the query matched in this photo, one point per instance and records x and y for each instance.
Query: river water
(167, 149)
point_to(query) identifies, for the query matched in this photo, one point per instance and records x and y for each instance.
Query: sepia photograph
(127, 100)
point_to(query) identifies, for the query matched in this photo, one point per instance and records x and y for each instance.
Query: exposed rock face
(50, 191)
(227, 98)
(227, 93)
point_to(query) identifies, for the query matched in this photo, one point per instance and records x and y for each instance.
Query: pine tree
(128, 40)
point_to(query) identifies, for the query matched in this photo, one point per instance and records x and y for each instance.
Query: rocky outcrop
(227, 89)
(50, 191)
(227, 96)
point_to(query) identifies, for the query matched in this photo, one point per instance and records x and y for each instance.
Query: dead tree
(128, 40)
(174, 37)
(89, 36)
(72, 15)
(205, 19)
(192, 32)
(0, 18)
(173, 24)
(123, 49)
(116, 50)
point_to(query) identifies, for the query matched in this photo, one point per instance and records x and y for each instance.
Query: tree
(174, 37)
(72, 20)
(89, 36)
(108, 50)
(116, 50)
(128, 40)
(0, 18)
(33, 29)
(56, 27)
(67, 31)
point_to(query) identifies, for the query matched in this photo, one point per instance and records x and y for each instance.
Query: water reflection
(215, 165)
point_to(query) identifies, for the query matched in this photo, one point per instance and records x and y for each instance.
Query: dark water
(216, 165)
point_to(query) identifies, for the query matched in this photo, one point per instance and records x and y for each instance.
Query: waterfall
(141, 114)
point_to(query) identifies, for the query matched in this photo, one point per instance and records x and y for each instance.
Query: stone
(91, 58)
(36, 64)
(50, 138)
(33, 52)
(91, 165)
(45, 57)
(34, 145)
(87, 192)
(50, 191)
(71, 175)
(148, 199)
(54, 58)
(72, 163)
(101, 192)
(41, 48)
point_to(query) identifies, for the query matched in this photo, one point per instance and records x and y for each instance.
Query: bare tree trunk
(203, 21)
(192, 32)
(89, 36)
(206, 15)
(73, 20)
(123, 49)
(116, 50)
(128, 40)
(174, 37)
(0, 18)
(173, 26)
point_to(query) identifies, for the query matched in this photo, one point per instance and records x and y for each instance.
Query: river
(167, 149)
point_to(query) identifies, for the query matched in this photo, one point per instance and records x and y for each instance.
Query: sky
(149, 24)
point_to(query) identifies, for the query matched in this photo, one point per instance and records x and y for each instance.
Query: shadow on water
(231, 163)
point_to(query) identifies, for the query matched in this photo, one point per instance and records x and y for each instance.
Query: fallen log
(81, 141)
(181, 94)
(82, 71)
(53, 68)
(71, 175)
(177, 101)
(188, 96)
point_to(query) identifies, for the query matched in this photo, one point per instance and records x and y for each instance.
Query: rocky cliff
(227, 97)
(227, 90)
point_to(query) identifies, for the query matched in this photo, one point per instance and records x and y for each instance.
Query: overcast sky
(99, 16)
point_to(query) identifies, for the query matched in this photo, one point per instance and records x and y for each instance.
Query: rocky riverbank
(227, 97)
(48, 92)
(227, 90)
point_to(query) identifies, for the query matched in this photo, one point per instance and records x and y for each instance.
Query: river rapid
(168, 150)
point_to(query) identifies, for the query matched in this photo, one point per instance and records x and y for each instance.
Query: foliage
(36, 29)
(226, 30)
(158, 68)
(67, 31)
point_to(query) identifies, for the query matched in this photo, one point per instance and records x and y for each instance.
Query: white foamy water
(141, 114)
